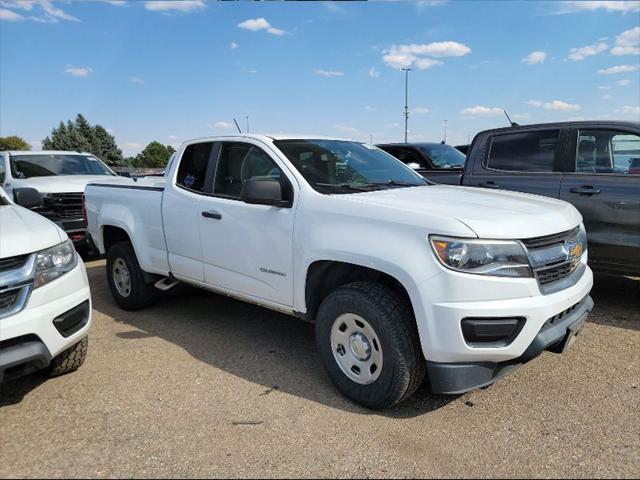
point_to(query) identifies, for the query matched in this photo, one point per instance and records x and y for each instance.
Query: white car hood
(23, 231)
(59, 183)
(489, 213)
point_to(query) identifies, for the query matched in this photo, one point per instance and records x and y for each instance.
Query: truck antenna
(237, 126)
(513, 124)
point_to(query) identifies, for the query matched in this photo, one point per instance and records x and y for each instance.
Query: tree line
(79, 135)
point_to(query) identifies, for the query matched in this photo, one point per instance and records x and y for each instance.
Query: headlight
(482, 257)
(54, 262)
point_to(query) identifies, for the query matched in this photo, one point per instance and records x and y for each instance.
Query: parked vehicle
(399, 277)
(593, 165)
(464, 149)
(45, 305)
(59, 177)
(438, 162)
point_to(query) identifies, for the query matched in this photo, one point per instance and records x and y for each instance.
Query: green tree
(154, 155)
(80, 136)
(13, 142)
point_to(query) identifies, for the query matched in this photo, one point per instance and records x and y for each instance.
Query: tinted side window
(524, 152)
(3, 171)
(193, 166)
(239, 162)
(608, 151)
(409, 156)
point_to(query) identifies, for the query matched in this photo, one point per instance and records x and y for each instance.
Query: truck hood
(59, 183)
(489, 213)
(23, 231)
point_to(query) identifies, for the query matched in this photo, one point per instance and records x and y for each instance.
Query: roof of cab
(45, 152)
(267, 137)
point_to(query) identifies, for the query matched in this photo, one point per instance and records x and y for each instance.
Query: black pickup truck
(593, 165)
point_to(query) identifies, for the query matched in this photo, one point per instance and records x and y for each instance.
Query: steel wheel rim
(356, 348)
(121, 277)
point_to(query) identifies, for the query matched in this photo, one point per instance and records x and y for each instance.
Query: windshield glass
(336, 166)
(27, 166)
(443, 156)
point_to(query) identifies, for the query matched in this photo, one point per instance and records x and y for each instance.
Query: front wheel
(368, 342)
(126, 278)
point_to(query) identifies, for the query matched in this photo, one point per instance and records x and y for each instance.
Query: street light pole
(406, 102)
(445, 131)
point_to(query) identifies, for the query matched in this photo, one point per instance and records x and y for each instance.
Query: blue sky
(171, 71)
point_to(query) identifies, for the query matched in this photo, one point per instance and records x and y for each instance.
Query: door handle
(212, 214)
(585, 190)
(489, 184)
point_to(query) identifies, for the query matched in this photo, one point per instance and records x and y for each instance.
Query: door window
(608, 152)
(410, 157)
(239, 162)
(524, 152)
(3, 172)
(193, 166)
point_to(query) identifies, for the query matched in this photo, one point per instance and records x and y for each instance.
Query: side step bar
(165, 284)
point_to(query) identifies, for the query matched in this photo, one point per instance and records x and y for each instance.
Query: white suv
(45, 304)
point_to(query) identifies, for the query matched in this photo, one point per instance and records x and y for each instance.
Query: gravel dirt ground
(201, 385)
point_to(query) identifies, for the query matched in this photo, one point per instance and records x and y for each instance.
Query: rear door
(181, 209)
(604, 185)
(523, 161)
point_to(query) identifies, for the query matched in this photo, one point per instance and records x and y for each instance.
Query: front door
(247, 249)
(605, 188)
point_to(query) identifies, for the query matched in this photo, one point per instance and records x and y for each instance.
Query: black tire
(69, 360)
(141, 294)
(391, 317)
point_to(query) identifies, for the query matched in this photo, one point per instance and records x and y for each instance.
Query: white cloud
(605, 87)
(183, 6)
(116, 3)
(78, 71)
(535, 57)
(521, 116)
(402, 56)
(419, 110)
(233, 45)
(631, 109)
(624, 82)
(327, 73)
(136, 80)
(534, 103)
(577, 54)
(345, 128)
(20, 4)
(480, 111)
(607, 97)
(369, 108)
(560, 105)
(373, 73)
(392, 125)
(618, 69)
(10, 15)
(609, 6)
(223, 125)
(257, 24)
(627, 43)
(253, 70)
(430, 3)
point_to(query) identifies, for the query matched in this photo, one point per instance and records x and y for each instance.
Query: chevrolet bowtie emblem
(576, 250)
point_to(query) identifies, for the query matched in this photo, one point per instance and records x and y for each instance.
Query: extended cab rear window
(524, 151)
(193, 166)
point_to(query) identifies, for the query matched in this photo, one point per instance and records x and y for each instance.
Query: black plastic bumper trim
(72, 320)
(457, 378)
(32, 356)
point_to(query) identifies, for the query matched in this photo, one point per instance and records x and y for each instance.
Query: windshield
(443, 156)
(336, 166)
(27, 166)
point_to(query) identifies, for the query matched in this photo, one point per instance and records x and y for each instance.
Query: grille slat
(8, 299)
(11, 263)
(548, 240)
(62, 206)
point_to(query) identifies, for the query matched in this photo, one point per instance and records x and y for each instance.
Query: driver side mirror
(263, 192)
(27, 197)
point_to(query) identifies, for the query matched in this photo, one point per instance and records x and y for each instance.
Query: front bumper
(455, 378)
(31, 336)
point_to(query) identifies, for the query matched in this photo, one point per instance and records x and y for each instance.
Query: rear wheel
(126, 278)
(368, 342)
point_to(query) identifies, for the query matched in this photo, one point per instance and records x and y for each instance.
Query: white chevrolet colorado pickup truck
(45, 303)
(401, 278)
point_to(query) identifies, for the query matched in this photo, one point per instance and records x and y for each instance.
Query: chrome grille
(11, 263)
(552, 262)
(61, 206)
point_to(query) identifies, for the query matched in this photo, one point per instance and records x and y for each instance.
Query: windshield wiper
(395, 183)
(347, 186)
